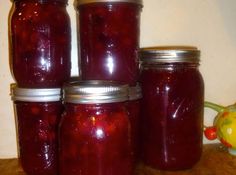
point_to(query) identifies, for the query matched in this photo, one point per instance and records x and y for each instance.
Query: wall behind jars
(208, 24)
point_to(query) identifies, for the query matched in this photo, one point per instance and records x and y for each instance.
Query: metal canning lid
(81, 2)
(135, 92)
(35, 95)
(95, 91)
(169, 54)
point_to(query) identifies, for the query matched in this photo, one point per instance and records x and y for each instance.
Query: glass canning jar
(40, 36)
(172, 107)
(133, 108)
(38, 112)
(94, 133)
(109, 33)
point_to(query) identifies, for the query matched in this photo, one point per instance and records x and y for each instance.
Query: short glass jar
(94, 133)
(172, 107)
(38, 112)
(109, 33)
(133, 106)
(40, 36)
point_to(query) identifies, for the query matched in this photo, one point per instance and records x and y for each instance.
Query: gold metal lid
(169, 54)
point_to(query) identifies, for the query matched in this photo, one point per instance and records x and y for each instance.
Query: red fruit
(210, 133)
(35, 110)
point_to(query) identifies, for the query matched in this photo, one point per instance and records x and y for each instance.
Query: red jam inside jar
(172, 107)
(109, 40)
(133, 108)
(38, 119)
(40, 43)
(94, 135)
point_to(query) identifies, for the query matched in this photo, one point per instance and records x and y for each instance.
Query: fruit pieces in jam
(40, 44)
(109, 41)
(172, 111)
(94, 140)
(37, 130)
(133, 108)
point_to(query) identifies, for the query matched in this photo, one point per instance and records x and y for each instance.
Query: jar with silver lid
(109, 32)
(94, 131)
(38, 112)
(172, 107)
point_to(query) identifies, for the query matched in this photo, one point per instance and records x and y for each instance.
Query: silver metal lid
(81, 2)
(95, 91)
(170, 54)
(35, 95)
(135, 92)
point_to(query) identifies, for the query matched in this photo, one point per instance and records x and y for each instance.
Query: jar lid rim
(95, 91)
(166, 54)
(35, 95)
(81, 2)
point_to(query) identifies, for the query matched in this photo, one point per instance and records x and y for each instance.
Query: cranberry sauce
(94, 140)
(109, 41)
(94, 133)
(133, 108)
(37, 129)
(38, 112)
(40, 43)
(172, 115)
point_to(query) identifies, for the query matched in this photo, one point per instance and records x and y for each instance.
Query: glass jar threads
(172, 107)
(40, 43)
(109, 39)
(38, 112)
(94, 131)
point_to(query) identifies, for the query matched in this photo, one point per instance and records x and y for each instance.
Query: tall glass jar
(172, 107)
(109, 39)
(40, 36)
(94, 135)
(38, 112)
(133, 106)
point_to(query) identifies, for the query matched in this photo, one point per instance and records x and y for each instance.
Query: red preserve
(133, 107)
(40, 43)
(94, 134)
(172, 107)
(38, 113)
(109, 39)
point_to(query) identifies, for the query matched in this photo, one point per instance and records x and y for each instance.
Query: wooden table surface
(215, 161)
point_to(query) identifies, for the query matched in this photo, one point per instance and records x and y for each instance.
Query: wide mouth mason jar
(94, 131)
(109, 32)
(38, 112)
(172, 107)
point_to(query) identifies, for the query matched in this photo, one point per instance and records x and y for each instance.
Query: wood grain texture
(215, 161)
